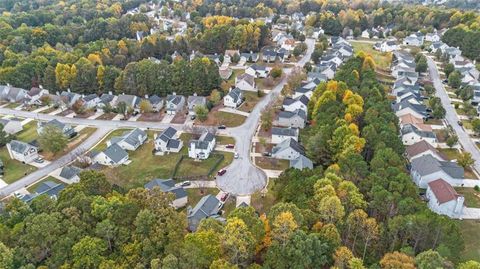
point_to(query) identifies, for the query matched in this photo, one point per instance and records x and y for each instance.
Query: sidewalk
(234, 111)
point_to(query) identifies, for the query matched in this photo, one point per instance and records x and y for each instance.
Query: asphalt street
(242, 177)
(451, 116)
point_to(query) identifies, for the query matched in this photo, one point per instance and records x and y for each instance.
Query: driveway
(451, 116)
(242, 177)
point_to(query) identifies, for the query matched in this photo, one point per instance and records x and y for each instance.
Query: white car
(236, 155)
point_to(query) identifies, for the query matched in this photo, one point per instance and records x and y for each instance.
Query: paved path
(234, 111)
(67, 158)
(242, 177)
(451, 116)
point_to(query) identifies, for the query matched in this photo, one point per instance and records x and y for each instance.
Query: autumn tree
(201, 112)
(465, 159)
(397, 260)
(238, 244)
(52, 139)
(145, 106)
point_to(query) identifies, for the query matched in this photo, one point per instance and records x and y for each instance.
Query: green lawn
(32, 188)
(29, 132)
(451, 154)
(49, 110)
(382, 59)
(472, 197)
(14, 170)
(12, 105)
(251, 99)
(190, 167)
(103, 145)
(272, 163)
(471, 235)
(230, 119)
(224, 140)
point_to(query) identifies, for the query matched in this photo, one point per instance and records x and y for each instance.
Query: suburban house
(316, 76)
(443, 199)
(295, 119)
(225, 72)
(168, 186)
(69, 98)
(194, 101)
(345, 51)
(167, 141)
(11, 126)
(12, 94)
(34, 95)
(432, 37)
(91, 101)
(301, 163)
(71, 173)
(257, 71)
(279, 134)
(411, 135)
(415, 39)
(438, 45)
(156, 102)
(290, 104)
(201, 148)
(427, 168)
(229, 54)
(48, 188)
(114, 155)
(174, 103)
(288, 44)
(387, 46)
(130, 140)
(308, 92)
(269, 56)
(67, 129)
(332, 58)
(234, 98)
(208, 207)
(421, 149)
(245, 82)
(288, 149)
(405, 107)
(417, 122)
(22, 151)
(131, 101)
(107, 99)
(249, 57)
(326, 69)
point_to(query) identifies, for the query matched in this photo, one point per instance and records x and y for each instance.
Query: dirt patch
(107, 116)
(158, 116)
(271, 163)
(85, 115)
(259, 148)
(180, 117)
(441, 136)
(66, 112)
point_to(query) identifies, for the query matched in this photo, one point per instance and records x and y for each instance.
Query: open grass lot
(48, 110)
(471, 235)
(14, 170)
(72, 143)
(262, 202)
(451, 154)
(382, 59)
(251, 99)
(12, 105)
(107, 116)
(224, 140)
(227, 119)
(191, 168)
(472, 197)
(32, 188)
(272, 163)
(29, 132)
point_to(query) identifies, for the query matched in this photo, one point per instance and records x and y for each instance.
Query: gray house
(428, 168)
(168, 186)
(156, 102)
(175, 103)
(71, 173)
(12, 94)
(114, 155)
(69, 98)
(289, 149)
(67, 129)
(130, 140)
(295, 119)
(49, 188)
(167, 141)
(301, 163)
(194, 101)
(209, 206)
(131, 101)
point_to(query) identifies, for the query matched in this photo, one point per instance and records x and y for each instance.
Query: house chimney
(194, 94)
(146, 96)
(174, 93)
(40, 86)
(68, 90)
(110, 92)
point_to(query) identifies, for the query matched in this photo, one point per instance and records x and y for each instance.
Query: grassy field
(49, 110)
(451, 154)
(32, 188)
(29, 132)
(12, 105)
(472, 197)
(272, 163)
(382, 59)
(72, 143)
(251, 99)
(229, 119)
(190, 167)
(224, 140)
(471, 235)
(14, 170)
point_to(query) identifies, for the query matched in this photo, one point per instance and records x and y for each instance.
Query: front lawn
(224, 140)
(72, 143)
(216, 118)
(272, 163)
(12, 105)
(29, 132)
(49, 110)
(251, 100)
(13, 169)
(192, 168)
(451, 154)
(32, 188)
(472, 197)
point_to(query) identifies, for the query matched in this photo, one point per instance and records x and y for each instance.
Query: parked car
(460, 123)
(186, 183)
(236, 155)
(230, 146)
(224, 197)
(221, 172)
(193, 117)
(267, 154)
(39, 160)
(222, 127)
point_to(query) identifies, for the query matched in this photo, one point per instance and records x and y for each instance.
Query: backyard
(471, 235)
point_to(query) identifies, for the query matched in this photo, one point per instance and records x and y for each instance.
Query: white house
(432, 37)
(174, 103)
(156, 102)
(257, 71)
(443, 199)
(114, 155)
(412, 134)
(234, 98)
(290, 104)
(71, 173)
(288, 149)
(168, 186)
(130, 140)
(245, 82)
(91, 101)
(389, 46)
(167, 141)
(11, 126)
(34, 96)
(280, 134)
(405, 107)
(201, 148)
(427, 168)
(415, 39)
(22, 151)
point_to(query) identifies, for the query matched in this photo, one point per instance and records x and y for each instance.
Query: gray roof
(69, 95)
(207, 137)
(258, 67)
(422, 109)
(19, 146)
(285, 131)
(236, 94)
(106, 98)
(208, 206)
(303, 99)
(204, 140)
(115, 153)
(301, 163)
(167, 185)
(131, 137)
(49, 188)
(409, 128)
(6, 121)
(70, 171)
(90, 97)
(289, 143)
(317, 75)
(196, 101)
(128, 99)
(287, 114)
(154, 99)
(175, 99)
(428, 164)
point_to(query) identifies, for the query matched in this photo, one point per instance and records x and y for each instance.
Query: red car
(230, 146)
(224, 197)
(221, 172)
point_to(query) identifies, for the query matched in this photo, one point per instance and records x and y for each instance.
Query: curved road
(451, 115)
(242, 177)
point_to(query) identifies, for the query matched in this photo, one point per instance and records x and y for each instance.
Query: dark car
(230, 146)
(221, 172)
(267, 154)
(222, 127)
